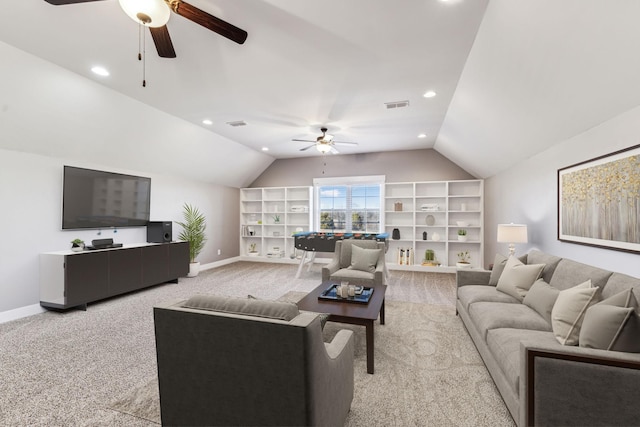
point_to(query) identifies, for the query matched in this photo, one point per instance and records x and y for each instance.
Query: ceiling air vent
(396, 104)
(237, 123)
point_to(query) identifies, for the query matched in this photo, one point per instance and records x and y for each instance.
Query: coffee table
(348, 312)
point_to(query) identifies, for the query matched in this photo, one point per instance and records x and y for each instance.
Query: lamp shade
(512, 233)
(151, 13)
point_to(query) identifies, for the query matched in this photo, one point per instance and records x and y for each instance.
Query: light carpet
(427, 372)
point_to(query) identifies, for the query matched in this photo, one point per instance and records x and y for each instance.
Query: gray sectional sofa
(542, 381)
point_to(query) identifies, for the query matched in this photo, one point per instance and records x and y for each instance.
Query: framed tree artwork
(599, 201)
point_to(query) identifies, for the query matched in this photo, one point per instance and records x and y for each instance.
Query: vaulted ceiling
(511, 78)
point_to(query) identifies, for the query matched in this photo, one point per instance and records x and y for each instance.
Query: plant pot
(463, 264)
(462, 238)
(253, 253)
(194, 269)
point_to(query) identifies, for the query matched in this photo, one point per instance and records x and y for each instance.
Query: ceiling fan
(155, 15)
(324, 143)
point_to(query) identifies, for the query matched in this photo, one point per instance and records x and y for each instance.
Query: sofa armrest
(469, 276)
(340, 343)
(577, 386)
(329, 269)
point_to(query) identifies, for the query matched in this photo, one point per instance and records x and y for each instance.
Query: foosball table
(311, 242)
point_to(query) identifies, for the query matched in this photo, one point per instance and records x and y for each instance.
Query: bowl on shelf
(462, 223)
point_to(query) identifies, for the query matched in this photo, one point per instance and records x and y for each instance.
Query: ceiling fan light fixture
(150, 13)
(323, 148)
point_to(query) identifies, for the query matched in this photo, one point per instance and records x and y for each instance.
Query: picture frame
(599, 201)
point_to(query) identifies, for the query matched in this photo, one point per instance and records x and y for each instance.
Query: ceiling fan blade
(208, 21)
(306, 148)
(303, 140)
(163, 43)
(334, 151)
(345, 143)
(63, 2)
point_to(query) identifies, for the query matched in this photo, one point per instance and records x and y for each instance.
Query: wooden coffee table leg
(370, 360)
(382, 313)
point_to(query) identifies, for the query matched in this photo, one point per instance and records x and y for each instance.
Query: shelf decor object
(598, 201)
(512, 233)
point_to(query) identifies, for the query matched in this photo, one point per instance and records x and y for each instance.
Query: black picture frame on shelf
(599, 201)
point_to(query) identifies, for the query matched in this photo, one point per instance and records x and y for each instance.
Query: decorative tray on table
(362, 296)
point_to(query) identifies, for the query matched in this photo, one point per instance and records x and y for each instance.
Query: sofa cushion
(482, 293)
(504, 344)
(498, 267)
(364, 259)
(541, 297)
(618, 282)
(517, 278)
(613, 324)
(569, 310)
(245, 306)
(550, 263)
(494, 315)
(570, 273)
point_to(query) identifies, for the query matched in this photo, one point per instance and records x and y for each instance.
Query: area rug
(427, 372)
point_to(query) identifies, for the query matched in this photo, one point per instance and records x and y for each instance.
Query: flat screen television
(98, 199)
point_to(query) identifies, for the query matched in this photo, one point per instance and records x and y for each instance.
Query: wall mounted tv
(98, 199)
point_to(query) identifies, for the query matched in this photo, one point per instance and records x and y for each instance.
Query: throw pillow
(569, 310)
(498, 267)
(364, 259)
(613, 324)
(541, 297)
(517, 278)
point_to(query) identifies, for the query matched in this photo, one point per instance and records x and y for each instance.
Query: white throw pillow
(517, 278)
(569, 310)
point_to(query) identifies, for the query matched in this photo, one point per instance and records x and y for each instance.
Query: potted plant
(253, 251)
(463, 260)
(193, 229)
(462, 235)
(430, 258)
(77, 245)
(276, 219)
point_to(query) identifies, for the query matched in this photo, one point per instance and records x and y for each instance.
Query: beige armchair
(236, 361)
(364, 263)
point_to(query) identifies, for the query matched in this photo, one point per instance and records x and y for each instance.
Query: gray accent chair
(339, 267)
(233, 361)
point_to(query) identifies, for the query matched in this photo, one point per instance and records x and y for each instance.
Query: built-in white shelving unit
(269, 217)
(439, 209)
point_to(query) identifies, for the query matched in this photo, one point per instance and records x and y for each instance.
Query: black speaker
(159, 231)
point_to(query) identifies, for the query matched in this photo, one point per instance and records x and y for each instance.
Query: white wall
(527, 193)
(30, 214)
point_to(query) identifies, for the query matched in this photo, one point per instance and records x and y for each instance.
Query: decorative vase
(435, 237)
(395, 234)
(194, 269)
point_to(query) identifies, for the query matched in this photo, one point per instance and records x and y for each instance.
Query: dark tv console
(74, 279)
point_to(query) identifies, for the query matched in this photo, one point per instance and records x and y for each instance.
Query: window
(349, 205)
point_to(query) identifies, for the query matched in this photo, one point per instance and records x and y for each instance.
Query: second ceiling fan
(324, 143)
(155, 15)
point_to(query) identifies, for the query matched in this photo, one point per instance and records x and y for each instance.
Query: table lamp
(512, 233)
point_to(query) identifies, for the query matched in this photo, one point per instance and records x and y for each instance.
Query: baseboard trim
(19, 313)
(220, 263)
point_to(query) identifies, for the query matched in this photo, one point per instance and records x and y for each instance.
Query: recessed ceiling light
(422, 135)
(207, 122)
(265, 148)
(101, 71)
(429, 94)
